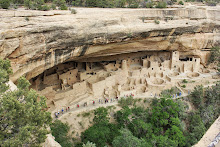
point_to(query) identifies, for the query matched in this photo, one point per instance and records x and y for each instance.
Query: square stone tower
(174, 59)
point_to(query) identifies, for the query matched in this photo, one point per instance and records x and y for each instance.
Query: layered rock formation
(35, 41)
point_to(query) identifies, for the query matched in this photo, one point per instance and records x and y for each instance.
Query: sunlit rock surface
(35, 41)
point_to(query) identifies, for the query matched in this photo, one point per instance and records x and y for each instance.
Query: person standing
(56, 115)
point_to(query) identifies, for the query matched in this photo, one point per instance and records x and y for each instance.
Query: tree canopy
(23, 119)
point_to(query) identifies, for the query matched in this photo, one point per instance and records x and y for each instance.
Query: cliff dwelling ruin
(144, 74)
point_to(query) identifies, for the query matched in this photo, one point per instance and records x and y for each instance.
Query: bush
(73, 11)
(126, 139)
(156, 21)
(211, 3)
(169, 2)
(37, 4)
(181, 3)
(215, 56)
(27, 4)
(45, 8)
(101, 115)
(76, 3)
(85, 114)
(184, 86)
(197, 96)
(27, 19)
(126, 101)
(61, 4)
(5, 4)
(169, 92)
(100, 134)
(134, 5)
(89, 144)
(161, 5)
(53, 7)
(63, 7)
(185, 81)
(60, 132)
(149, 5)
(196, 128)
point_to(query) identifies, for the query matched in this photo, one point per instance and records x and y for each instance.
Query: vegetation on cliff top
(45, 5)
(23, 119)
(215, 56)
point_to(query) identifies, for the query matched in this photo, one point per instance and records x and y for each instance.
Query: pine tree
(23, 119)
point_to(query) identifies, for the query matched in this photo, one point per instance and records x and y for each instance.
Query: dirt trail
(90, 105)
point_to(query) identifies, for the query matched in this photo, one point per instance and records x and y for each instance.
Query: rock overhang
(50, 38)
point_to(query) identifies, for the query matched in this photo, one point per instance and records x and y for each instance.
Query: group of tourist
(93, 102)
(62, 111)
(101, 101)
(177, 94)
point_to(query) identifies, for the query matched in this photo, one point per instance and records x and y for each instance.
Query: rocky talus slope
(35, 40)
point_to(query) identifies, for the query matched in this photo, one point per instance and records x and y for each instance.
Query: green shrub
(89, 144)
(61, 4)
(197, 96)
(185, 81)
(37, 4)
(211, 3)
(169, 92)
(53, 7)
(27, 19)
(134, 5)
(161, 5)
(126, 101)
(76, 3)
(60, 132)
(181, 3)
(120, 3)
(156, 21)
(27, 4)
(101, 115)
(85, 114)
(14, 6)
(5, 4)
(215, 54)
(184, 86)
(45, 8)
(149, 5)
(73, 11)
(100, 134)
(63, 7)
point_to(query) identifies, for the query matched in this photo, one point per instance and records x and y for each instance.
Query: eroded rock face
(50, 142)
(35, 41)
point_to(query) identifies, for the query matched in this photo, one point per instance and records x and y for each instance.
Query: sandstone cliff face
(35, 41)
(50, 142)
